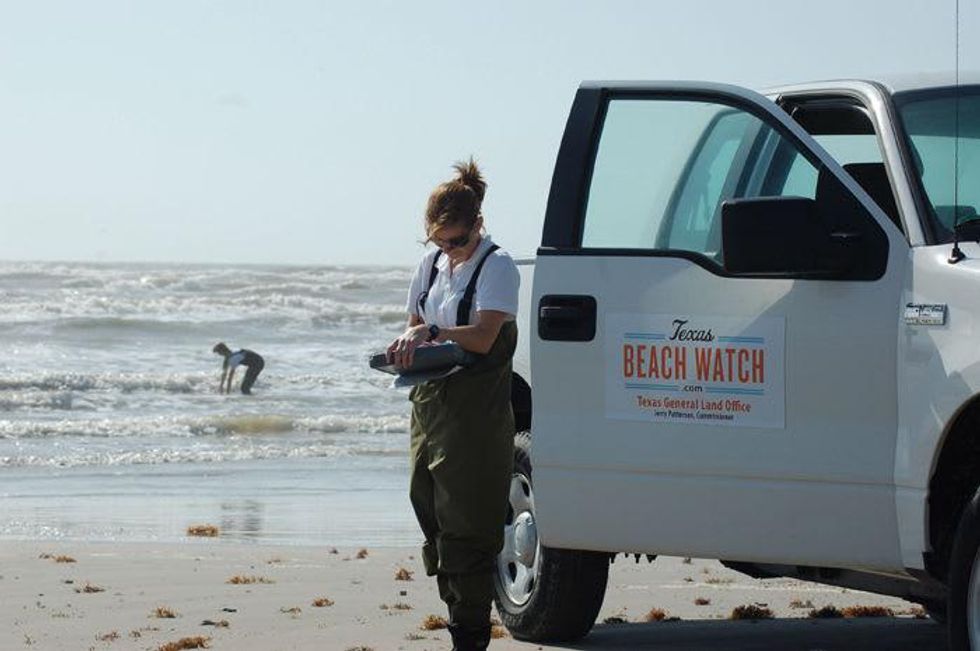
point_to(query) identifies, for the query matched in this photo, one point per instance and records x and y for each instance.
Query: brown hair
(457, 201)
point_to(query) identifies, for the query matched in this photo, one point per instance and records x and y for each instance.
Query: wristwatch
(433, 332)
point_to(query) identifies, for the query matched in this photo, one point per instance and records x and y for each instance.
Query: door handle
(563, 317)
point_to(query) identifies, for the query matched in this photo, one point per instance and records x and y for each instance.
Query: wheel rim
(973, 603)
(517, 563)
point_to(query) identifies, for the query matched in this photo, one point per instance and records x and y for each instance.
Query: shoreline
(265, 502)
(108, 598)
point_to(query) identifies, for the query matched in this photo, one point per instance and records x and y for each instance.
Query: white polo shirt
(496, 288)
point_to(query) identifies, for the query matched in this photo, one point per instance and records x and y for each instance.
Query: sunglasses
(452, 242)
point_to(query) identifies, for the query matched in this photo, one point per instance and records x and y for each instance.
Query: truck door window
(641, 153)
(664, 167)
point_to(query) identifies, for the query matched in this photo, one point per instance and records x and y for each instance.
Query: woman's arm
(479, 337)
(224, 374)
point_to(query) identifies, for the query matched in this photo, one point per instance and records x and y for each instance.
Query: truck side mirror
(790, 236)
(774, 235)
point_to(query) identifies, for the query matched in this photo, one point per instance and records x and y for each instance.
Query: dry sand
(44, 604)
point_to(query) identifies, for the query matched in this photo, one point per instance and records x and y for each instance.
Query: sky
(303, 132)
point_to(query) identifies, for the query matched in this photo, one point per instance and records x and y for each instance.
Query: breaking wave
(121, 382)
(254, 451)
(202, 426)
(136, 297)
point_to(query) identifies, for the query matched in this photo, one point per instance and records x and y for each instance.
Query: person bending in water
(244, 357)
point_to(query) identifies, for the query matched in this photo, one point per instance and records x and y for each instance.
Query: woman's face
(457, 241)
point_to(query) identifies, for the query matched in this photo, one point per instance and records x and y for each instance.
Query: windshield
(946, 164)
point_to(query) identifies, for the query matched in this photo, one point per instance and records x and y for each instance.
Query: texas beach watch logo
(696, 369)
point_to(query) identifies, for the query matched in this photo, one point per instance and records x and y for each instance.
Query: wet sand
(112, 596)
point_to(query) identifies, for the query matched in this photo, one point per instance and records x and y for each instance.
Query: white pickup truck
(749, 335)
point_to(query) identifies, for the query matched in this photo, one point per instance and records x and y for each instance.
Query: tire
(543, 594)
(963, 607)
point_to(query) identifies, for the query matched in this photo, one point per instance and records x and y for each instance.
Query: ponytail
(457, 201)
(469, 175)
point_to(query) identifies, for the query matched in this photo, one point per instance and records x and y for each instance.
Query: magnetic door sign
(701, 370)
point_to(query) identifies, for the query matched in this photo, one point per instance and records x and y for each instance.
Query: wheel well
(520, 400)
(953, 484)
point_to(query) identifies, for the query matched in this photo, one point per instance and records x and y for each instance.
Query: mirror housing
(783, 236)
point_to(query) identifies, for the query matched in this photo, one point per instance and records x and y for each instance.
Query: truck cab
(750, 338)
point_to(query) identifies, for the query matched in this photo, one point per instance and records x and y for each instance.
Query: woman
(244, 357)
(464, 291)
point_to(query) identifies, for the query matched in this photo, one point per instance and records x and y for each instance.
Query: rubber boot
(469, 639)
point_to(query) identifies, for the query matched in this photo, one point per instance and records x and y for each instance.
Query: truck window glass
(693, 212)
(664, 167)
(840, 124)
(642, 151)
(947, 165)
(846, 149)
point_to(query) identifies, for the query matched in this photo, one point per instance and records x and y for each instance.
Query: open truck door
(715, 333)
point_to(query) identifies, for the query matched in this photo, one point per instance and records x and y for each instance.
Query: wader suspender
(465, 303)
(432, 279)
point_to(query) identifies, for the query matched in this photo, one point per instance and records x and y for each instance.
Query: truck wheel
(543, 594)
(963, 609)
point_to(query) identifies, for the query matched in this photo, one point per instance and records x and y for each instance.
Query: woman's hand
(401, 352)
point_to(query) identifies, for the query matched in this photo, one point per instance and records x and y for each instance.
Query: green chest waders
(462, 457)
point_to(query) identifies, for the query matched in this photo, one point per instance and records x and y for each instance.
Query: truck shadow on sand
(810, 635)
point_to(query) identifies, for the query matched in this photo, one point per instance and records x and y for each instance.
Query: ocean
(111, 426)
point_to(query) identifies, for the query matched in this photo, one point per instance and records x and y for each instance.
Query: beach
(114, 441)
(122, 595)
